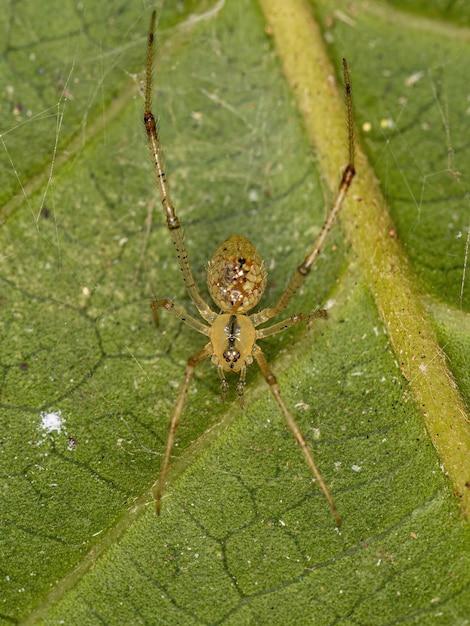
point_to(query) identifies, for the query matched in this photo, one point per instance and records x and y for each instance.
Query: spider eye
(231, 355)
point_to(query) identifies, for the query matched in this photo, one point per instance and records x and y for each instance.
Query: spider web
(427, 190)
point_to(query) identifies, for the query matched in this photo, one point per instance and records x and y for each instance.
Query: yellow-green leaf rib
(302, 52)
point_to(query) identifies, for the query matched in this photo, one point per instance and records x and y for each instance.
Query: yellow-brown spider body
(236, 279)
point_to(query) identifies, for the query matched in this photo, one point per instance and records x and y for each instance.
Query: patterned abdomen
(236, 276)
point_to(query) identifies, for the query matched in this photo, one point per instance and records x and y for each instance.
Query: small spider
(236, 279)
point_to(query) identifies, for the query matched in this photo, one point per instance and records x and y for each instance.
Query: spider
(236, 279)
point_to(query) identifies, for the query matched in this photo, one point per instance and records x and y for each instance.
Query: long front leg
(274, 387)
(304, 268)
(175, 418)
(172, 221)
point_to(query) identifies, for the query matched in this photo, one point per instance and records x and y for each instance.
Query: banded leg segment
(173, 223)
(304, 268)
(299, 437)
(180, 313)
(279, 327)
(176, 416)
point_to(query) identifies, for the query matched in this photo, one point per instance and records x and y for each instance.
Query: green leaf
(380, 389)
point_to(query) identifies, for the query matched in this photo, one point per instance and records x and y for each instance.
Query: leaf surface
(88, 383)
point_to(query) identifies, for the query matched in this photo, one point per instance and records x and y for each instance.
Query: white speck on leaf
(51, 421)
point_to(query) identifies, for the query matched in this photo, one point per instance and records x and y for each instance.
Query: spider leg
(241, 386)
(290, 321)
(304, 268)
(274, 387)
(193, 361)
(180, 313)
(224, 386)
(173, 223)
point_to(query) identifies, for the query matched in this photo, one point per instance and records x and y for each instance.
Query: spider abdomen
(236, 276)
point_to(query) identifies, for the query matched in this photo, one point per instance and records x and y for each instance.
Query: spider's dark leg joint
(271, 379)
(193, 360)
(348, 175)
(156, 304)
(173, 222)
(303, 269)
(149, 121)
(165, 304)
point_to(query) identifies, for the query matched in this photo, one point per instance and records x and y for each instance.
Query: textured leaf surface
(88, 383)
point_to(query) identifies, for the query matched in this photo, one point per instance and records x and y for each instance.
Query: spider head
(236, 276)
